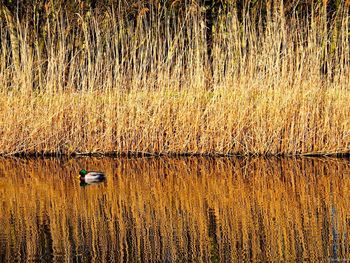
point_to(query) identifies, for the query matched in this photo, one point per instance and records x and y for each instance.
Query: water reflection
(165, 210)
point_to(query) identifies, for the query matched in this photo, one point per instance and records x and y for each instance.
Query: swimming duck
(91, 176)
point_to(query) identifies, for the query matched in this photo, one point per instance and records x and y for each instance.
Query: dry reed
(278, 86)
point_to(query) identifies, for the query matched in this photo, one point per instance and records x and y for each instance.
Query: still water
(175, 210)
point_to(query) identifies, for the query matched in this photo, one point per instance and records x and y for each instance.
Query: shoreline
(171, 155)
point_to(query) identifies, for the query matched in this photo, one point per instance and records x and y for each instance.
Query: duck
(91, 176)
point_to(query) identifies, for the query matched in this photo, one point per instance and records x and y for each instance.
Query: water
(175, 210)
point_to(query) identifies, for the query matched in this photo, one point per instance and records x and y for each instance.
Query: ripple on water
(180, 209)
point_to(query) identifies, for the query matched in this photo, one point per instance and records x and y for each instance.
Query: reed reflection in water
(187, 209)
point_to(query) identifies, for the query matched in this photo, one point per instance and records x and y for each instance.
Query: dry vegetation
(218, 210)
(100, 82)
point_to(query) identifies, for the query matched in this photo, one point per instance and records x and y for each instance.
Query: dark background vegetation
(37, 11)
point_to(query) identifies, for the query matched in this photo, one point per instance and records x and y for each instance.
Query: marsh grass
(104, 84)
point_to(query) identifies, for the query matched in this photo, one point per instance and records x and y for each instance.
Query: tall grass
(104, 83)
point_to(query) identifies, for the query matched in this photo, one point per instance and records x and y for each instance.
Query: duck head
(83, 172)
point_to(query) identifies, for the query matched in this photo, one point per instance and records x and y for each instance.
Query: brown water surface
(175, 210)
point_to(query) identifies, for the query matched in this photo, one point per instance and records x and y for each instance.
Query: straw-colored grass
(279, 86)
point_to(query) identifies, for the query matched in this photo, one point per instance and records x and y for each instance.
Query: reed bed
(188, 209)
(99, 83)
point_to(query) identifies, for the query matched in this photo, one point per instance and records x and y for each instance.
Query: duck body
(91, 176)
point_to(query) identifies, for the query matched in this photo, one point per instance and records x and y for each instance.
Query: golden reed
(279, 86)
(181, 209)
